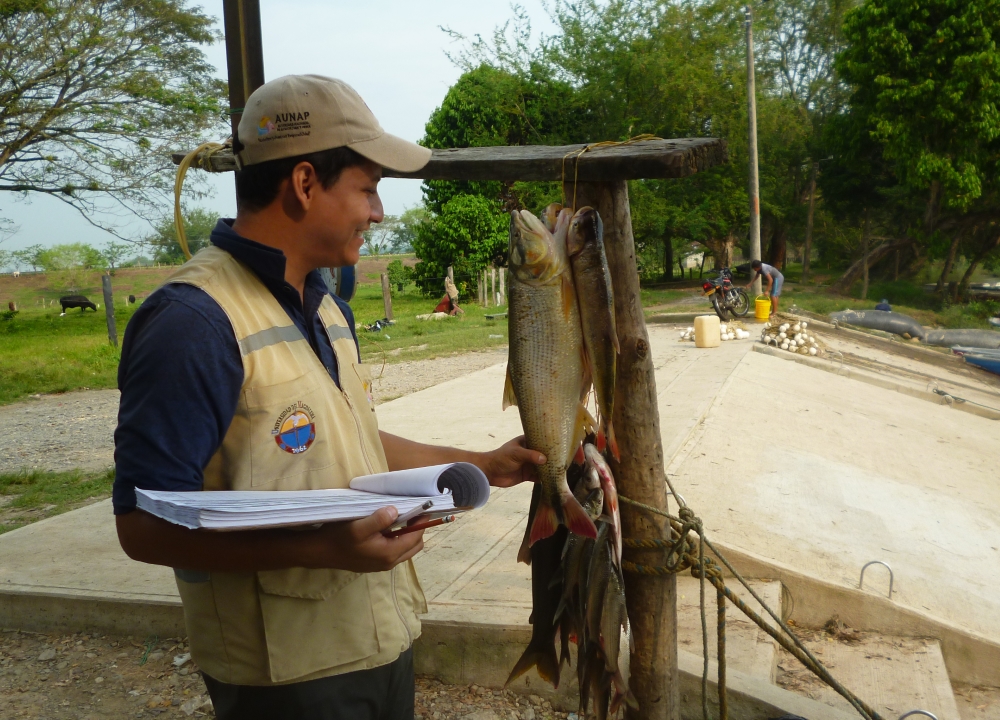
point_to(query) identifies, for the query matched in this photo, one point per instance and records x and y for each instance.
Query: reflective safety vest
(294, 429)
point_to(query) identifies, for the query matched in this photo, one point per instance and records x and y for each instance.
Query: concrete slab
(823, 474)
(892, 675)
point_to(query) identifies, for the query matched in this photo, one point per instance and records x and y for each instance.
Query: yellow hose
(209, 148)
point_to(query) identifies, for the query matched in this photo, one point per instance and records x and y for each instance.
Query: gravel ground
(83, 677)
(75, 430)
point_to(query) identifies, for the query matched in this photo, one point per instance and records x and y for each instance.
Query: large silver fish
(592, 279)
(546, 366)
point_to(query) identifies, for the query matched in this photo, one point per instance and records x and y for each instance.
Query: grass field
(41, 352)
(28, 497)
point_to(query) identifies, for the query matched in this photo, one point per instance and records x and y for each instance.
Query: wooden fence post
(493, 286)
(386, 297)
(652, 601)
(503, 289)
(109, 309)
(451, 274)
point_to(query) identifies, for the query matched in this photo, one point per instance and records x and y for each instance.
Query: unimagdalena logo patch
(295, 428)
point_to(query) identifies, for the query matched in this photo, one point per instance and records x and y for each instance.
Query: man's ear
(303, 184)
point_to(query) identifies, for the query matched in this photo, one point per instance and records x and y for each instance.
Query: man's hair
(755, 264)
(257, 185)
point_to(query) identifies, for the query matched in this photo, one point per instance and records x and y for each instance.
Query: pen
(420, 526)
(406, 517)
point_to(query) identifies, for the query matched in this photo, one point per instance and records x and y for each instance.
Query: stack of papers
(448, 487)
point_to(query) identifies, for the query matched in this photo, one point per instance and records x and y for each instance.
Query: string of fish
(684, 554)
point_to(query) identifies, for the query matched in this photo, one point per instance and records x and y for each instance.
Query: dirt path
(105, 677)
(75, 430)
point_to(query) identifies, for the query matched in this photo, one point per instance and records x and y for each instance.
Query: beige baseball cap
(300, 114)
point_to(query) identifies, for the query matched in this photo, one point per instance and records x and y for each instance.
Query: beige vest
(294, 429)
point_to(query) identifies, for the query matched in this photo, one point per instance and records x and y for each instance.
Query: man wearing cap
(241, 341)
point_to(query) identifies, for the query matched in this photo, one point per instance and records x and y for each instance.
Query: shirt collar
(267, 263)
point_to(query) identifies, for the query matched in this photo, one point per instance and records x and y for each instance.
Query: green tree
(198, 225)
(470, 233)
(96, 94)
(70, 256)
(115, 253)
(399, 274)
(926, 82)
(406, 228)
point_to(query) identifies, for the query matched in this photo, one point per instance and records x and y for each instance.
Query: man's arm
(770, 283)
(358, 546)
(509, 464)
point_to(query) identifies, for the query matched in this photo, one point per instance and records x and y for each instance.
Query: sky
(391, 51)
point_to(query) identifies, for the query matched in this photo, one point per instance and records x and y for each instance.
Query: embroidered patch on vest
(295, 428)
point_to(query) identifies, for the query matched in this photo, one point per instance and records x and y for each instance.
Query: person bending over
(774, 281)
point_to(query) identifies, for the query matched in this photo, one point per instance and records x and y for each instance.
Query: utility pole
(754, 189)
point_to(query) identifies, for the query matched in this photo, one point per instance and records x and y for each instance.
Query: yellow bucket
(762, 308)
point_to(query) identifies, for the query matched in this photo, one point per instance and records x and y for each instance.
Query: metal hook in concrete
(861, 585)
(918, 712)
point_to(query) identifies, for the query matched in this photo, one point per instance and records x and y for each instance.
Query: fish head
(585, 228)
(535, 257)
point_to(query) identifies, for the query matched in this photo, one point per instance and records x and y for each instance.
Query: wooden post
(109, 309)
(652, 601)
(481, 282)
(386, 297)
(503, 289)
(244, 56)
(493, 286)
(451, 274)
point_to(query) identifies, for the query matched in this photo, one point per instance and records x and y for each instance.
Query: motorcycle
(727, 299)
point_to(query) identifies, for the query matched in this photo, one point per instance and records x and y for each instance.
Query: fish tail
(545, 660)
(602, 441)
(546, 521)
(509, 397)
(612, 440)
(576, 518)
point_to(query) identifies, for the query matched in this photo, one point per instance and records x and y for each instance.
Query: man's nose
(377, 213)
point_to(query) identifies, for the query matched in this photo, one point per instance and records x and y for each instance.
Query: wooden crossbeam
(646, 159)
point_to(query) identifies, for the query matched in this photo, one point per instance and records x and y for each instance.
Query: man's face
(343, 212)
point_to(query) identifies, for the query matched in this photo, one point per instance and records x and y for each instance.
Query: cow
(74, 301)
(17, 273)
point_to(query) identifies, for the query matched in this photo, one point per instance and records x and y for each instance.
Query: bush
(399, 274)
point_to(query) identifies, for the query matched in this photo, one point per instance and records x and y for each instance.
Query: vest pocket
(287, 431)
(305, 583)
(315, 620)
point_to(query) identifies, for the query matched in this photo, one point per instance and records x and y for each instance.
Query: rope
(192, 159)
(577, 154)
(682, 555)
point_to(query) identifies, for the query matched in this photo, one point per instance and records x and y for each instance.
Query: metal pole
(752, 149)
(809, 223)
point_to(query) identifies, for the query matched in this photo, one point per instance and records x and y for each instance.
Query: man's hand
(360, 546)
(511, 463)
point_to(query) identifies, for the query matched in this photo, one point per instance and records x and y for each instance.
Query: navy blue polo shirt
(181, 372)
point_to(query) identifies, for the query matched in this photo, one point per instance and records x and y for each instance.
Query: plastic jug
(762, 308)
(707, 331)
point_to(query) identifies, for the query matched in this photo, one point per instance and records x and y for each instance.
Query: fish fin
(524, 552)
(590, 422)
(602, 441)
(546, 521)
(509, 397)
(613, 441)
(578, 457)
(576, 518)
(545, 661)
(579, 432)
(564, 656)
(614, 341)
(568, 295)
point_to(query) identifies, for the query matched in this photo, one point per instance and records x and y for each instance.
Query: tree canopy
(96, 94)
